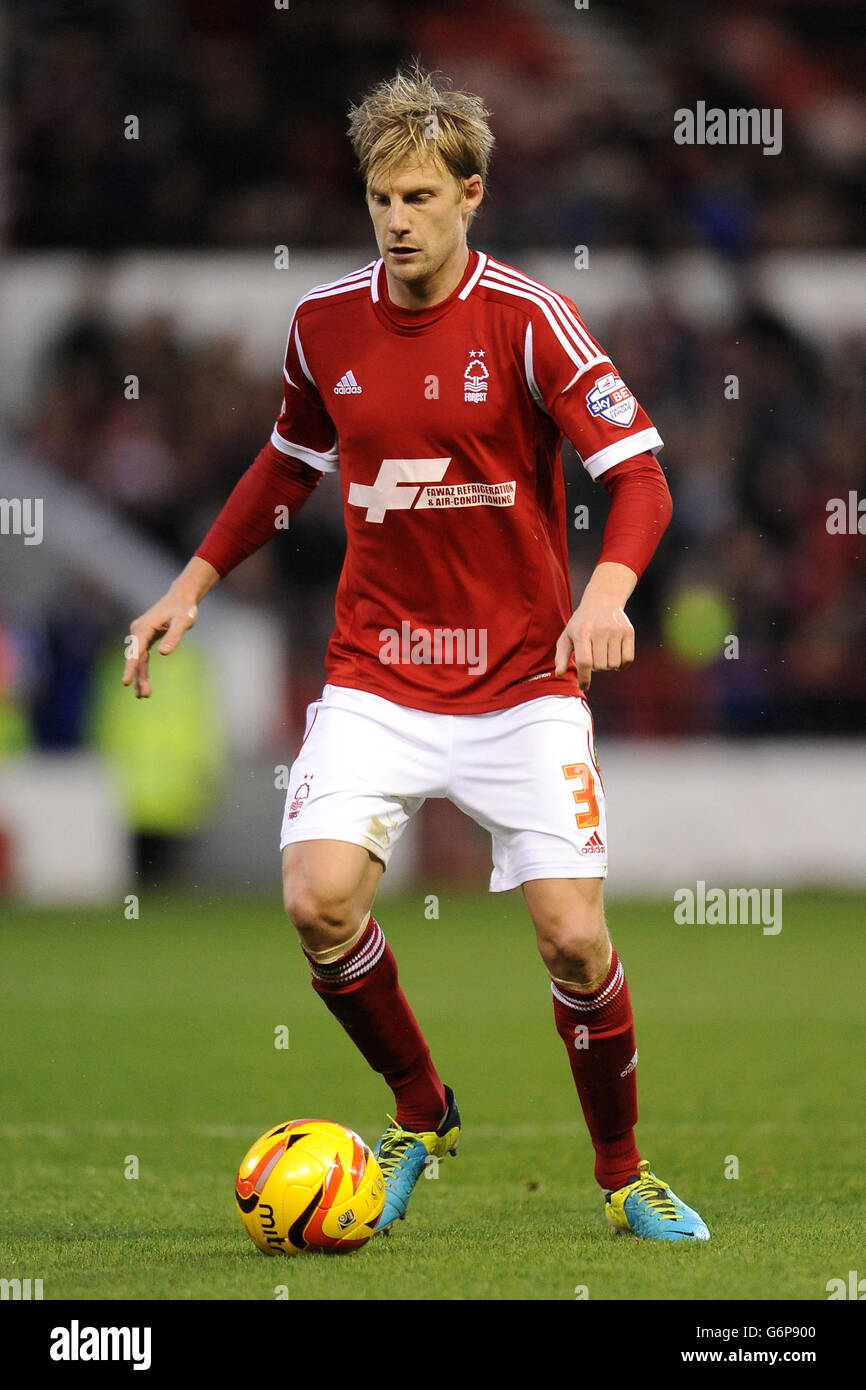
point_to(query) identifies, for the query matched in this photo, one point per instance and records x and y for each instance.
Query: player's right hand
(173, 615)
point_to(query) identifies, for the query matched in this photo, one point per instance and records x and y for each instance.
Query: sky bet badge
(611, 399)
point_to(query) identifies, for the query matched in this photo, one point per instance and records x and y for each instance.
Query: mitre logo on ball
(612, 400)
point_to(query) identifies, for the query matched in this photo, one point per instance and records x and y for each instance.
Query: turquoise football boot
(647, 1207)
(403, 1154)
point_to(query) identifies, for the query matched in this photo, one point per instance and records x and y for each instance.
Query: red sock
(603, 1060)
(362, 991)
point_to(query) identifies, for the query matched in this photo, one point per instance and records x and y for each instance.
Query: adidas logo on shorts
(347, 386)
(594, 845)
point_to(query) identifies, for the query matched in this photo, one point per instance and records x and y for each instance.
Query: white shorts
(528, 775)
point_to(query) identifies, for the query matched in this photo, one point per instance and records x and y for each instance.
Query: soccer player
(440, 383)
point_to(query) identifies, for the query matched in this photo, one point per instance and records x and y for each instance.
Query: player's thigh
(361, 773)
(570, 927)
(530, 776)
(328, 889)
(363, 769)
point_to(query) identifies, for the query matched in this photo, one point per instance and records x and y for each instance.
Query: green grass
(155, 1038)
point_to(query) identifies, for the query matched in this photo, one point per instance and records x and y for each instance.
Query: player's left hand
(601, 637)
(598, 631)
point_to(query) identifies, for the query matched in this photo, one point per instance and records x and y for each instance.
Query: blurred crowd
(237, 115)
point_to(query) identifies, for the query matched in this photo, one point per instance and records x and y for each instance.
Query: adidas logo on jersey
(594, 845)
(347, 386)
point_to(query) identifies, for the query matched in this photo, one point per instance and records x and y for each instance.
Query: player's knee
(573, 941)
(317, 913)
(328, 888)
(324, 910)
(570, 955)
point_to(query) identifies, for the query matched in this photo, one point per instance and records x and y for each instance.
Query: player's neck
(424, 294)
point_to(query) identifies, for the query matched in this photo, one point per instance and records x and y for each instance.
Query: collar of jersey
(412, 321)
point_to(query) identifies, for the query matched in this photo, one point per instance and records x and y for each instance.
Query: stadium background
(146, 290)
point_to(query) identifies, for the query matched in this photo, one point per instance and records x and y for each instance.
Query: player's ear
(473, 189)
(473, 192)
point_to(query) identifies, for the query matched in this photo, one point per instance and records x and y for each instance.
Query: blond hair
(412, 117)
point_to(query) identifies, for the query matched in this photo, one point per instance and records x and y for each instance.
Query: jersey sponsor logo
(469, 495)
(475, 377)
(347, 385)
(612, 400)
(397, 488)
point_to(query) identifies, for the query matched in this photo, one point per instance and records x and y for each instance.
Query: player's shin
(358, 983)
(597, 1027)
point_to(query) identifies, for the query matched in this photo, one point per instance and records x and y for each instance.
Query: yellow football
(309, 1183)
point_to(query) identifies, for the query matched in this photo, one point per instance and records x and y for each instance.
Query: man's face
(419, 215)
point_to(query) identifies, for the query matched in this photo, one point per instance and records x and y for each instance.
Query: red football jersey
(446, 425)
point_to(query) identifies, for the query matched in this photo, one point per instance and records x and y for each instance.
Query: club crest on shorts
(302, 791)
(475, 377)
(612, 400)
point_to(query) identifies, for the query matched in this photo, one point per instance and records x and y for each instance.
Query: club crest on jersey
(475, 377)
(612, 400)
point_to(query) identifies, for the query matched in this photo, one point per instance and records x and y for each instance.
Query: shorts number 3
(584, 794)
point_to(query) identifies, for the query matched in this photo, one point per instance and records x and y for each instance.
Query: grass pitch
(148, 1046)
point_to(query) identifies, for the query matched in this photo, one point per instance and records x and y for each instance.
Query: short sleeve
(573, 380)
(304, 430)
